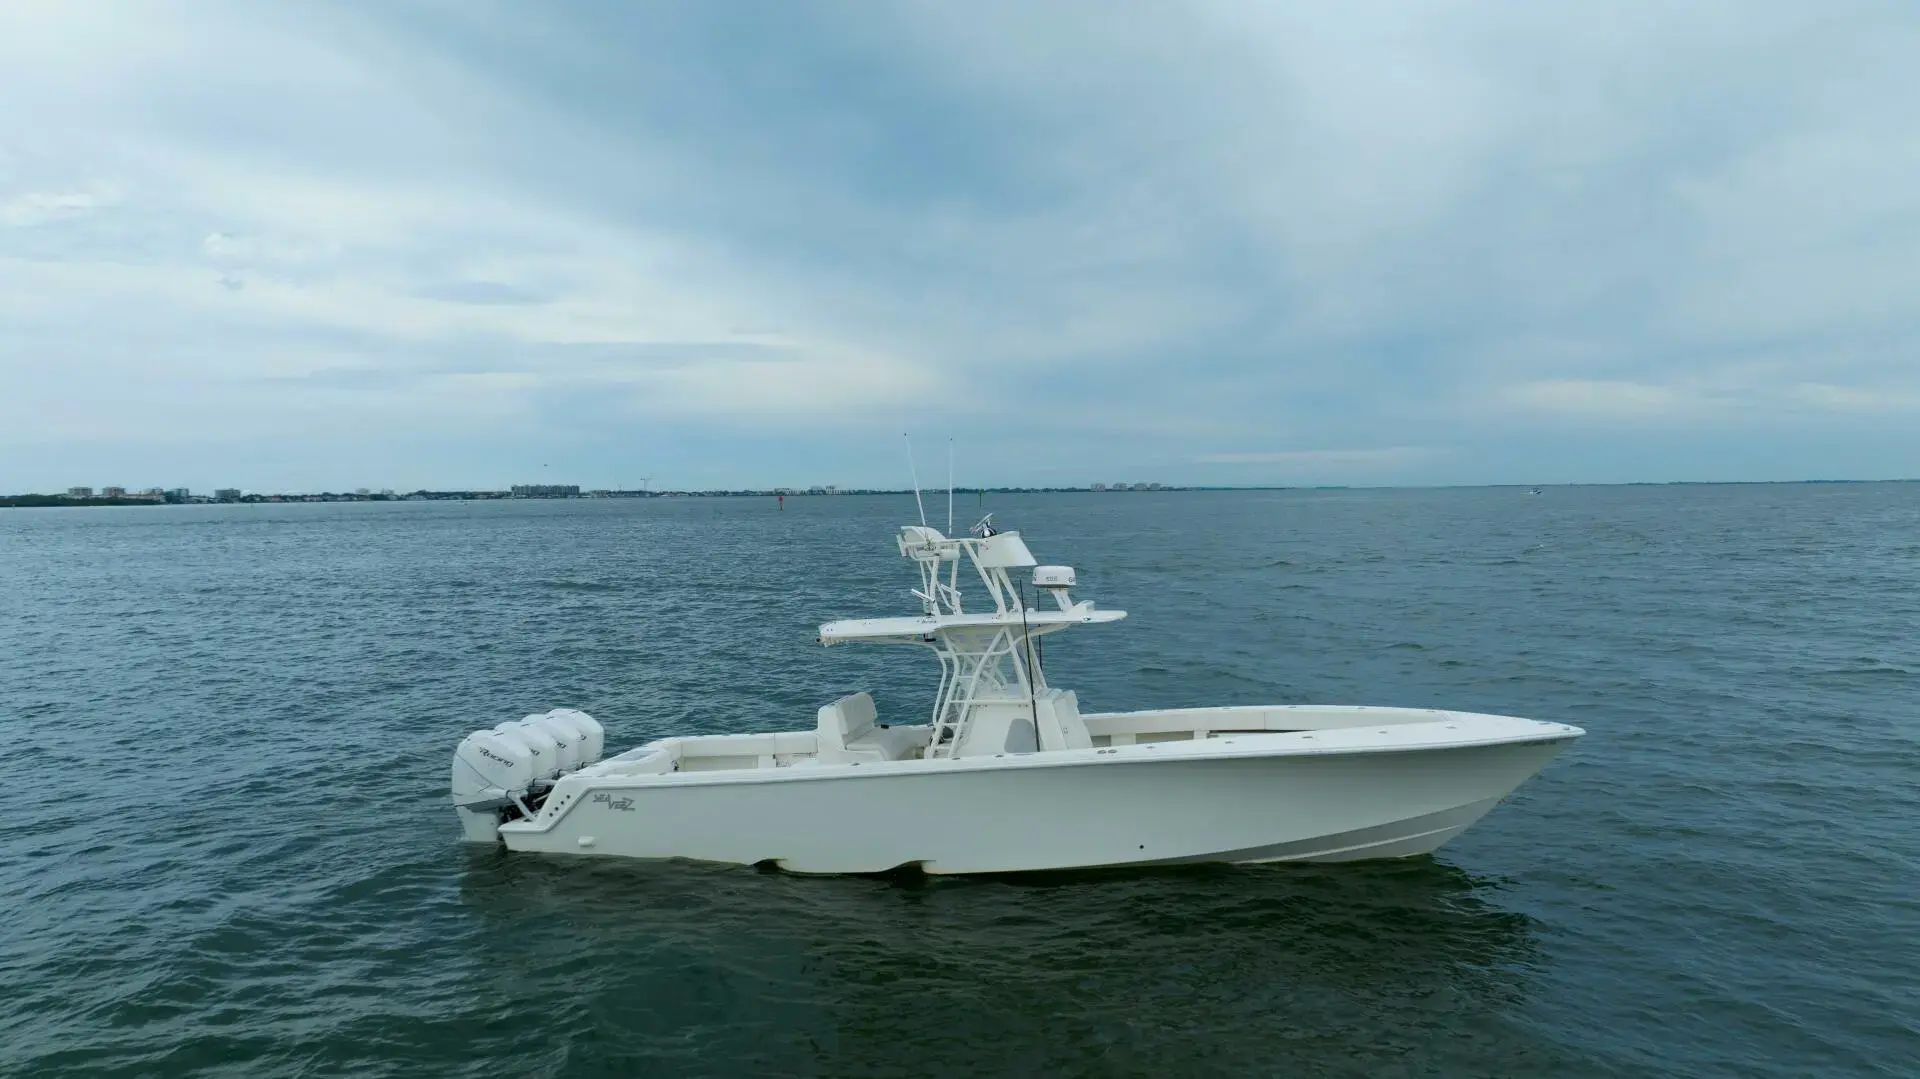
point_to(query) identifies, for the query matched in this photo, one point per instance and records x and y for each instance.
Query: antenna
(915, 473)
(949, 486)
(1026, 638)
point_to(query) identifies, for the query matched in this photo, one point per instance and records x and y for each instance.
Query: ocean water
(225, 735)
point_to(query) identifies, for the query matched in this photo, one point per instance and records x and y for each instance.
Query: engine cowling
(584, 731)
(490, 770)
(501, 767)
(487, 768)
(543, 746)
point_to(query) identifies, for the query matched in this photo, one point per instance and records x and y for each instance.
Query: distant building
(178, 494)
(113, 492)
(546, 490)
(1099, 486)
(1120, 487)
(226, 494)
(79, 492)
(362, 491)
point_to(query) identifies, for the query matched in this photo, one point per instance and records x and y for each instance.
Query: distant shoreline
(36, 501)
(46, 501)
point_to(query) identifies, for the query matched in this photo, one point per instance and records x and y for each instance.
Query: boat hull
(1255, 798)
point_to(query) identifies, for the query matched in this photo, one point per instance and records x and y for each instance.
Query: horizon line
(243, 496)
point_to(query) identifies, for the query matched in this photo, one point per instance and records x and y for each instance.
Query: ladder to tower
(964, 677)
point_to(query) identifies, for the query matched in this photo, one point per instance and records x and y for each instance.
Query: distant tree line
(63, 500)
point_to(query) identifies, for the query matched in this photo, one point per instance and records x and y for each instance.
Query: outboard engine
(592, 738)
(544, 747)
(491, 771)
(506, 771)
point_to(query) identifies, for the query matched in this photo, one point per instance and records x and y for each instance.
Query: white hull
(1332, 794)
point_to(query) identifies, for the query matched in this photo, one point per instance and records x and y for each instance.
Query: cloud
(480, 292)
(1379, 457)
(39, 207)
(752, 246)
(1595, 398)
(1704, 397)
(1844, 399)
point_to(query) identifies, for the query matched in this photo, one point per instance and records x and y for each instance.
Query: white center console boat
(1009, 774)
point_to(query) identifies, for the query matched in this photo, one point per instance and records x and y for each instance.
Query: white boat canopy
(919, 630)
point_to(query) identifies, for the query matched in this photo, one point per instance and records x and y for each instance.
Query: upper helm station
(993, 695)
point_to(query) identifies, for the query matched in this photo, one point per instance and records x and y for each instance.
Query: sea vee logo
(624, 805)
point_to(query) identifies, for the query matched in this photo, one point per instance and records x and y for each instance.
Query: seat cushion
(891, 743)
(846, 719)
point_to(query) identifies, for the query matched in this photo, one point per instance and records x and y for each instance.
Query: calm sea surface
(225, 735)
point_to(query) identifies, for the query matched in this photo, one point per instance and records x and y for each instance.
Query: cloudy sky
(303, 246)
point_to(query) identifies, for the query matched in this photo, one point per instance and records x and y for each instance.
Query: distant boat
(1533, 491)
(1009, 774)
